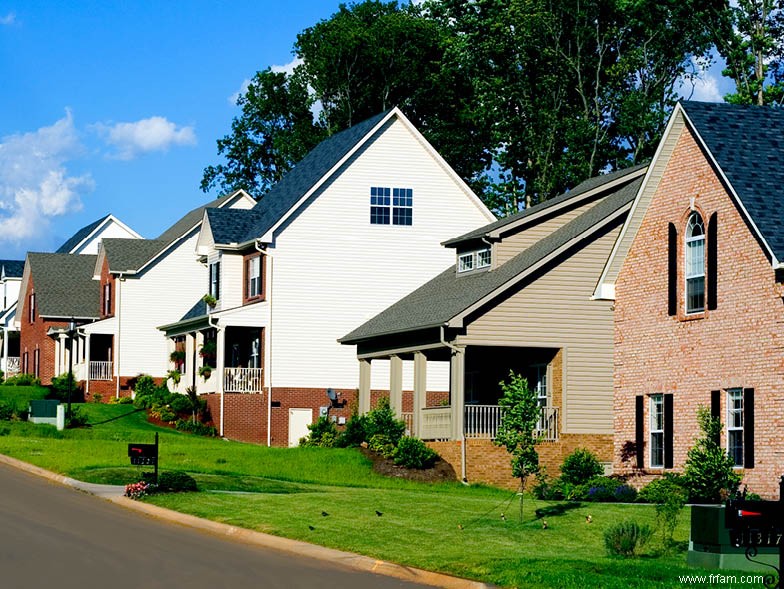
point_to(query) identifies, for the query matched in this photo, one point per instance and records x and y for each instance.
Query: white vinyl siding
(320, 293)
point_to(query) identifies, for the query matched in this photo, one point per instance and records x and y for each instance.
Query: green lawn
(445, 527)
(19, 396)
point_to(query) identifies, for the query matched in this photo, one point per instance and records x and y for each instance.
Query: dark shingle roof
(581, 188)
(196, 311)
(448, 294)
(190, 219)
(79, 236)
(128, 255)
(64, 285)
(292, 187)
(13, 268)
(748, 144)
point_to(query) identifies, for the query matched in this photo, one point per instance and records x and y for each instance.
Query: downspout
(462, 434)
(219, 376)
(268, 292)
(120, 280)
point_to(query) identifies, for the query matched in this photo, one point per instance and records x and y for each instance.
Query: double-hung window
(214, 286)
(31, 310)
(657, 430)
(107, 299)
(735, 425)
(695, 264)
(253, 270)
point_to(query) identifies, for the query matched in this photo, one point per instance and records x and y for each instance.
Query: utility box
(43, 411)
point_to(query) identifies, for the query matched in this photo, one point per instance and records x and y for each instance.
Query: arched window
(695, 264)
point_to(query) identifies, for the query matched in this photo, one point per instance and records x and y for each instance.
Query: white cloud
(34, 182)
(152, 134)
(704, 82)
(8, 19)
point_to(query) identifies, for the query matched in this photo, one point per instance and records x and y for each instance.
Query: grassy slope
(420, 525)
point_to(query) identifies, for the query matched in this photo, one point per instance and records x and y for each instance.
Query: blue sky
(115, 107)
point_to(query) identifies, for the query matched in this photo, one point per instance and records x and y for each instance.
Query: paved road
(54, 536)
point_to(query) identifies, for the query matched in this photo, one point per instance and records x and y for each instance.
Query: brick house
(351, 228)
(519, 297)
(696, 279)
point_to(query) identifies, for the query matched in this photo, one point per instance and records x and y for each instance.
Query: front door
(299, 420)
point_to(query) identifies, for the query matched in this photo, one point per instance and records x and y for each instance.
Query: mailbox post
(145, 455)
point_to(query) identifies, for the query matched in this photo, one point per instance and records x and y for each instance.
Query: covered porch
(475, 371)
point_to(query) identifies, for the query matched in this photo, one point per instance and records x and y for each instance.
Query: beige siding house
(520, 297)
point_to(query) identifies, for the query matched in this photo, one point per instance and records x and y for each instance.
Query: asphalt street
(54, 536)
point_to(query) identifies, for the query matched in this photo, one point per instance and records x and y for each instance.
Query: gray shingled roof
(291, 188)
(190, 219)
(128, 255)
(77, 237)
(64, 285)
(196, 311)
(13, 268)
(448, 294)
(748, 144)
(581, 188)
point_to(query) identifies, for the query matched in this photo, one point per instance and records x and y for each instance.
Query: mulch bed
(442, 471)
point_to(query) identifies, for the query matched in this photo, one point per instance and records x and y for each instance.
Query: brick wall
(34, 336)
(736, 345)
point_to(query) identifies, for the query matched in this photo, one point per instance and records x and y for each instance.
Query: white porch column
(364, 387)
(219, 363)
(420, 391)
(5, 350)
(457, 391)
(87, 365)
(396, 385)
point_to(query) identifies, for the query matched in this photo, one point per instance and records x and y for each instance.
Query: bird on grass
(459, 526)
(324, 513)
(503, 517)
(544, 524)
(588, 519)
(379, 513)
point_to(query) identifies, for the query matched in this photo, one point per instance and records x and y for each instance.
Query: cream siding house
(519, 298)
(354, 226)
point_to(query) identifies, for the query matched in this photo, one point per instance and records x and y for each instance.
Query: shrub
(200, 429)
(381, 422)
(545, 488)
(323, 433)
(580, 467)
(76, 419)
(380, 444)
(669, 495)
(97, 397)
(59, 388)
(354, 434)
(414, 453)
(624, 538)
(163, 412)
(176, 482)
(23, 380)
(709, 473)
(606, 489)
(180, 403)
(7, 411)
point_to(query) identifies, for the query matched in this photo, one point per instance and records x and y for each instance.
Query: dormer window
(475, 260)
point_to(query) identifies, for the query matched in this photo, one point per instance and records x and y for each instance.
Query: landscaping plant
(669, 495)
(624, 538)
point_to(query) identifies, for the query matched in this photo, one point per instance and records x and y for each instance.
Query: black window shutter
(639, 438)
(217, 279)
(668, 431)
(672, 271)
(713, 265)
(715, 408)
(748, 428)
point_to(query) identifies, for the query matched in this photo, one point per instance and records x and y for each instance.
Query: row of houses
(372, 270)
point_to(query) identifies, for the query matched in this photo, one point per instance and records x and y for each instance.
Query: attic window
(475, 260)
(391, 204)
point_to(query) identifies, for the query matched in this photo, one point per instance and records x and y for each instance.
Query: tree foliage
(524, 98)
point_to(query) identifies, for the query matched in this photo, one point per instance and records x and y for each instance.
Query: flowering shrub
(139, 490)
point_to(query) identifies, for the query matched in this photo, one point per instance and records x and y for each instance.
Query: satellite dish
(332, 395)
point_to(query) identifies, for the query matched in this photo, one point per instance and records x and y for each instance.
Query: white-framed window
(253, 269)
(214, 286)
(657, 430)
(735, 425)
(465, 262)
(107, 298)
(31, 310)
(391, 206)
(468, 261)
(695, 264)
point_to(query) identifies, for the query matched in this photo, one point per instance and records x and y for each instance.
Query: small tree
(709, 473)
(517, 431)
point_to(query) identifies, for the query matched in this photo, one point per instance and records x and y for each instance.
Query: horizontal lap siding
(333, 270)
(554, 311)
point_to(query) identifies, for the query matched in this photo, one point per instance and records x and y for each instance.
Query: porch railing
(436, 423)
(12, 365)
(243, 380)
(100, 370)
(482, 421)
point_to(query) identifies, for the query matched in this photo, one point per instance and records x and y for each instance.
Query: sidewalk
(115, 494)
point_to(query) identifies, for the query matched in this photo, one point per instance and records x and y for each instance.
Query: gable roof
(449, 297)
(747, 142)
(80, 236)
(129, 255)
(284, 195)
(580, 193)
(12, 268)
(64, 286)
(191, 219)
